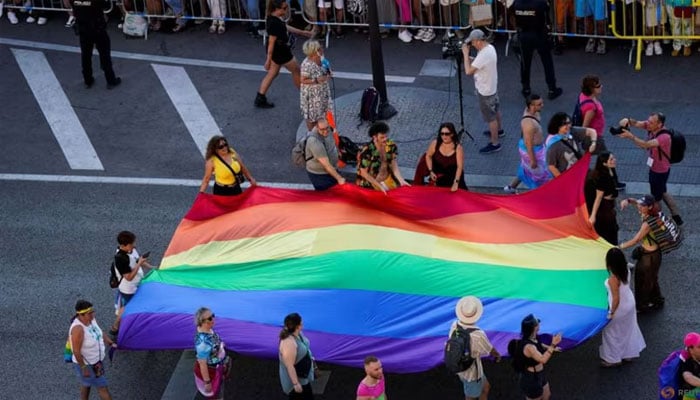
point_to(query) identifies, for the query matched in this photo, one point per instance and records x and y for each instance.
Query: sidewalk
(420, 110)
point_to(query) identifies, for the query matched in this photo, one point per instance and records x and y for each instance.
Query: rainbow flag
(373, 273)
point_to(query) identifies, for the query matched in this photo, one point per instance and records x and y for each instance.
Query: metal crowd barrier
(203, 10)
(647, 23)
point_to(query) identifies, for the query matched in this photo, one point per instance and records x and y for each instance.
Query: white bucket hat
(469, 310)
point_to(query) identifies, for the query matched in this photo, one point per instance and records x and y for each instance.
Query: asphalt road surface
(58, 236)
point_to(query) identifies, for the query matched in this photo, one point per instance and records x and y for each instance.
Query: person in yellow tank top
(227, 167)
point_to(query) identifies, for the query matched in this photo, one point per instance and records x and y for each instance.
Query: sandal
(222, 28)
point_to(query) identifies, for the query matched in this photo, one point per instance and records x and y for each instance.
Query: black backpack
(348, 150)
(577, 115)
(458, 355)
(677, 146)
(515, 349)
(113, 280)
(369, 105)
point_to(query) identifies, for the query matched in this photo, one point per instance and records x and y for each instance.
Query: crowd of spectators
(413, 20)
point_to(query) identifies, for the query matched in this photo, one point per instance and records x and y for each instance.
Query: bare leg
(671, 203)
(267, 80)
(104, 393)
(293, 67)
(84, 392)
(494, 127)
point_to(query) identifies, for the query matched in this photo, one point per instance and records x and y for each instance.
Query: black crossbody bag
(240, 178)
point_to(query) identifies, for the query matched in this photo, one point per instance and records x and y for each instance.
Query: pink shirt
(598, 121)
(376, 391)
(661, 163)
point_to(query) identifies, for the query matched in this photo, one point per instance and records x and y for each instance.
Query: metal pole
(385, 111)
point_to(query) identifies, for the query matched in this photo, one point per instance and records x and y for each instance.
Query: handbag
(480, 14)
(238, 175)
(303, 366)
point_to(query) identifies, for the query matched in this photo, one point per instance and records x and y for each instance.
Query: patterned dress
(315, 98)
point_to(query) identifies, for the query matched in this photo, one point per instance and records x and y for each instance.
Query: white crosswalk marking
(58, 111)
(189, 104)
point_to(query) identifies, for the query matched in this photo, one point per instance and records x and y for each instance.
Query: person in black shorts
(279, 49)
(533, 381)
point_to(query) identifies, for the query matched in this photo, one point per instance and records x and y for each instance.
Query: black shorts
(657, 183)
(282, 55)
(533, 383)
(232, 190)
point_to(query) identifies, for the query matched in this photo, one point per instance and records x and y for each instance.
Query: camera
(616, 130)
(451, 47)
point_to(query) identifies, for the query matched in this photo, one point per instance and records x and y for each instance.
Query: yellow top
(222, 174)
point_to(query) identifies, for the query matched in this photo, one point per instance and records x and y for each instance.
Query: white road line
(194, 61)
(57, 109)
(189, 104)
(132, 180)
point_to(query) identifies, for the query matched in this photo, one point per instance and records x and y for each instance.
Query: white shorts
(654, 13)
(338, 4)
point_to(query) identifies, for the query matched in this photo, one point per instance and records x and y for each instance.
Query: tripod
(458, 61)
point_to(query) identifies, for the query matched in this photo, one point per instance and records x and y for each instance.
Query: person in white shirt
(483, 67)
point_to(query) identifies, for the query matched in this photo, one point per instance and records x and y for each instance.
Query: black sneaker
(554, 93)
(678, 220)
(526, 92)
(500, 133)
(490, 148)
(116, 82)
(261, 101)
(558, 49)
(89, 83)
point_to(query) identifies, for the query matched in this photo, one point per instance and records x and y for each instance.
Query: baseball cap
(476, 34)
(692, 339)
(647, 200)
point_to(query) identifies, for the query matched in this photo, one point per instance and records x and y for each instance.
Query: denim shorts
(474, 388)
(91, 380)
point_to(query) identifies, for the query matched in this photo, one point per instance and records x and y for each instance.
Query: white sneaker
(650, 50)
(420, 34)
(31, 20)
(12, 17)
(428, 36)
(41, 21)
(590, 46)
(657, 49)
(405, 36)
(510, 189)
(70, 22)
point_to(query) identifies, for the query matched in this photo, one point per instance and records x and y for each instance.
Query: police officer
(531, 17)
(91, 26)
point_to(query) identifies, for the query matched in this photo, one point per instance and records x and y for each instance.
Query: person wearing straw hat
(475, 384)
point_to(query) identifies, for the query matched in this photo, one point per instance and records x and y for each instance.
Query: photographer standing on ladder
(531, 18)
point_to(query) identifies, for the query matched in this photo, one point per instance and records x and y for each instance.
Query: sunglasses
(222, 146)
(566, 123)
(211, 318)
(325, 129)
(445, 133)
